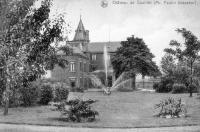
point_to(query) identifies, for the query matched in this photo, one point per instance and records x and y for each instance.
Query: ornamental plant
(171, 108)
(77, 110)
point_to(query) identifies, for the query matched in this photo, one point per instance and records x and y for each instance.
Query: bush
(29, 94)
(165, 85)
(193, 87)
(78, 110)
(23, 95)
(170, 108)
(155, 85)
(46, 94)
(2, 88)
(15, 98)
(61, 92)
(179, 88)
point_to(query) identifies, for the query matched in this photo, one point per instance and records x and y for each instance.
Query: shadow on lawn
(59, 119)
(62, 119)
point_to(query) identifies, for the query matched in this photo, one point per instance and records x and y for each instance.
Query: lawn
(120, 109)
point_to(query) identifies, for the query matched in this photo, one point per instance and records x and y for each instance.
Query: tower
(81, 37)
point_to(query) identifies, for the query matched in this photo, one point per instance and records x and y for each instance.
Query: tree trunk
(191, 74)
(6, 98)
(6, 94)
(142, 81)
(133, 81)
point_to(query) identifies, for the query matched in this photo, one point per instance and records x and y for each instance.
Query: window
(85, 68)
(81, 69)
(81, 82)
(72, 81)
(81, 46)
(72, 66)
(94, 57)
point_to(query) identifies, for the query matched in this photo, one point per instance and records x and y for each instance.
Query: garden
(26, 53)
(120, 109)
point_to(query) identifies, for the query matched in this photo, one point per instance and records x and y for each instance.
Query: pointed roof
(80, 32)
(80, 26)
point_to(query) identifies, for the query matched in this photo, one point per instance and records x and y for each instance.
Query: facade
(87, 57)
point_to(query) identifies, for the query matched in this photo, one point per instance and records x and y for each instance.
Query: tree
(188, 51)
(176, 70)
(168, 64)
(26, 48)
(134, 57)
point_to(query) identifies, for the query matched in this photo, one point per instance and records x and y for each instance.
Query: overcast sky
(156, 24)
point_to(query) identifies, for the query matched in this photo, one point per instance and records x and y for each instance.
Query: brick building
(87, 57)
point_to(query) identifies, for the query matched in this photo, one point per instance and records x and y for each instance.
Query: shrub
(155, 85)
(169, 87)
(2, 88)
(165, 85)
(61, 92)
(179, 88)
(15, 98)
(29, 94)
(170, 108)
(78, 110)
(24, 95)
(193, 87)
(46, 94)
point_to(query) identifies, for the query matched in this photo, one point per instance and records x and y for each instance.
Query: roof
(80, 26)
(75, 51)
(99, 46)
(80, 32)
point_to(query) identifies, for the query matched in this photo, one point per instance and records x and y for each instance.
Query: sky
(156, 24)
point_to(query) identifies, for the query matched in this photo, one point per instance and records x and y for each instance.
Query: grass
(120, 109)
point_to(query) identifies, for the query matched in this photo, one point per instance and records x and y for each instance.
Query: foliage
(61, 92)
(196, 67)
(181, 75)
(78, 110)
(26, 48)
(165, 85)
(29, 94)
(188, 51)
(26, 95)
(193, 87)
(171, 108)
(179, 88)
(46, 94)
(168, 64)
(178, 71)
(15, 99)
(134, 57)
(2, 89)
(156, 85)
